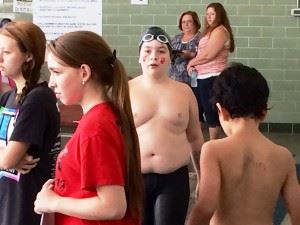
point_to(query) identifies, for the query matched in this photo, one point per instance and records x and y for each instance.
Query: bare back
(162, 112)
(252, 175)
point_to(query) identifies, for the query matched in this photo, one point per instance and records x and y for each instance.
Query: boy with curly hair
(243, 174)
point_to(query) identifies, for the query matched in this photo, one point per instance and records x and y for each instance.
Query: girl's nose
(51, 82)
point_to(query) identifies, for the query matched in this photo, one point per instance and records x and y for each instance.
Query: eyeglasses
(161, 38)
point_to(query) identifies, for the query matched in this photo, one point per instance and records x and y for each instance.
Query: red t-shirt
(93, 156)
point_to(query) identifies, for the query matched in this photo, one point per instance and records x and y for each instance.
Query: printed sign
(56, 17)
(22, 6)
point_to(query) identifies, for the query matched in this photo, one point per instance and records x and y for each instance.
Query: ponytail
(121, 101)
(85, 47)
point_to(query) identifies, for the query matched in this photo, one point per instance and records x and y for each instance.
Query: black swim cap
(156, 33)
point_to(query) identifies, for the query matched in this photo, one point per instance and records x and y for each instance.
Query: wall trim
(289, 128)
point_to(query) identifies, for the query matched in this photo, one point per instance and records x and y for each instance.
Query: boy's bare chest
(161, 108)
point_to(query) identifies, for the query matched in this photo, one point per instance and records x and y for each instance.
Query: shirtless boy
(166, 117)
(243, 174)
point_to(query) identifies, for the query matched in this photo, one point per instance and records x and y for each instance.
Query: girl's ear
(223, 112)
(85, 72)
(28, 58)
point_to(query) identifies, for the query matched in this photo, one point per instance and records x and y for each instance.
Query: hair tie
(112, 59)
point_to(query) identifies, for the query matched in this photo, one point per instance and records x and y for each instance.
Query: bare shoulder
(214, 147)
(135, 85)
(220, 31)
(134, 81)
(277, 149)
(282, 157)
(224, 149)
(284, 153)
(181, 87)
(282, 150)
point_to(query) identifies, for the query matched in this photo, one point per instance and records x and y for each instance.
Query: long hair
(85, 47)
(30, 39)
(221, 19)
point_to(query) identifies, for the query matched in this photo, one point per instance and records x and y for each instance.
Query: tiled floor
(292, 142)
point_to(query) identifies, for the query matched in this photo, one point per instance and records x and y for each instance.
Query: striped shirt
(216, 65)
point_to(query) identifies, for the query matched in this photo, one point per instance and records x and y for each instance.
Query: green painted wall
(267, 38)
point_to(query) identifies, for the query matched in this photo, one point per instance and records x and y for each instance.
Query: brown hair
(195, 17)
(85, 47)
(221, 19)
(30, 39)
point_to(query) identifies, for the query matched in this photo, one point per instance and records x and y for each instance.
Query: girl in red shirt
(98, 175)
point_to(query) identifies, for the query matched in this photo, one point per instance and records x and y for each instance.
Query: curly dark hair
(241, 90)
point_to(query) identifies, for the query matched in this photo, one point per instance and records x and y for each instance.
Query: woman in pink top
(211, 60)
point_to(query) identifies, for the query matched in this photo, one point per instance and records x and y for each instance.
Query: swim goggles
(161, 38)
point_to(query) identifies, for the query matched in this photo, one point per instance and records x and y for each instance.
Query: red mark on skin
(162, 60)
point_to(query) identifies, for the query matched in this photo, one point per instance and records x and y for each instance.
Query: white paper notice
(56, 17)
(22, 6)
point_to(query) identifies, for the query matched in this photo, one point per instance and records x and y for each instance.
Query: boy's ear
(264, 114)
(223, 112)
(141, 59)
